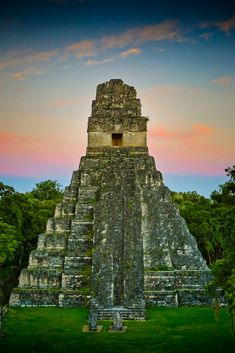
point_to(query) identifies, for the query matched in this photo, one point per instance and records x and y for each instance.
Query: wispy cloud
(125, 54)
(21, 75)
(17, 58)
(81, 49)
(223, 80)
(100, 62)
(196, 131)
(206, 35)
(167, 30)
(131, 51)
(226, 26)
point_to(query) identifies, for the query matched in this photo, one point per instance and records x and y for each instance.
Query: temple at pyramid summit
(116, 242)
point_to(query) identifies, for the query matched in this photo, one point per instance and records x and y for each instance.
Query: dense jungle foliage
(22, 218)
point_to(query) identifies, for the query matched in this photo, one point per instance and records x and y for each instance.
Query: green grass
(179, 330)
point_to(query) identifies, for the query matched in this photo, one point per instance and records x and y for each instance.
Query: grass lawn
(179, 330)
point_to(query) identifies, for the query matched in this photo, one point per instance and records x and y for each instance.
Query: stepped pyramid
(117, 241)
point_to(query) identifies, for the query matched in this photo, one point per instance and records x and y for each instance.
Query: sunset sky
(179, 55)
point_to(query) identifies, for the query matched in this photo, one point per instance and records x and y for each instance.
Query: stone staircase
(59, 269)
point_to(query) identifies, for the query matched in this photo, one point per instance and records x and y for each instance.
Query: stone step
(193, 296)
(78, 280)
(74, 298)
(76, 262)
(58, 225)
(34, 297)
(81, 229)
(54, 241)
(51, 259)
(40, 278)
(80, 246)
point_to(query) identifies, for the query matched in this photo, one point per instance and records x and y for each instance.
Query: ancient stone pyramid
(117, 241)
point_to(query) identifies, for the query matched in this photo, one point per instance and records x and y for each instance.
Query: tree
(226, 193)
(8, 242)
(203, 222)
(6, 190)
(47, 190)
(24, 216)
(224, 269)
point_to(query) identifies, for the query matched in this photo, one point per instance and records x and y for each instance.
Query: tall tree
(47, 190)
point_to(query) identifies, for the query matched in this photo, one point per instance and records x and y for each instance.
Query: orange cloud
(226, 26)
(197, 131)
(9, 138)
(223, 80)
(203, 129)
(131, 51)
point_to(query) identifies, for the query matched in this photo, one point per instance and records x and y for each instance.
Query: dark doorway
(117, 140)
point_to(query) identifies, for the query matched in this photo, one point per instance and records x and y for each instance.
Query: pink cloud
(27, 155)
(196, 131)
(195, 151)
(189, 156)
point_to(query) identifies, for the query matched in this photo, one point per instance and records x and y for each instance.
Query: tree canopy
(47, 190)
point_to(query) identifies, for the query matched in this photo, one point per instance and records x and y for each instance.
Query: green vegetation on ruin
(48, 330)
